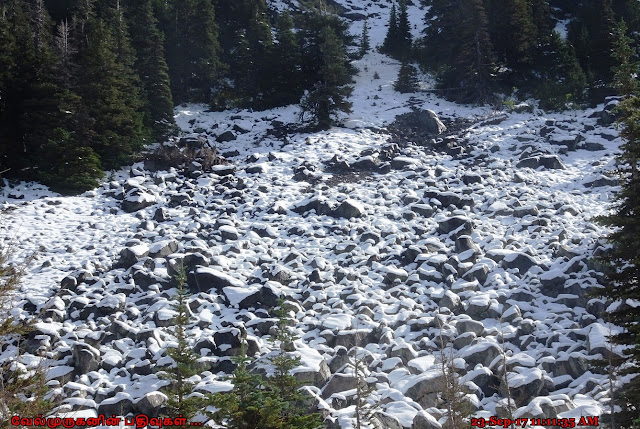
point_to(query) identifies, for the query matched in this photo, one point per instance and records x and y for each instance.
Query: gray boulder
(551, 162)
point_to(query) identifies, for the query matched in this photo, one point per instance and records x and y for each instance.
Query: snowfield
(486, 253)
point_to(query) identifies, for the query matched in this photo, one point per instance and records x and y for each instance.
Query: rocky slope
(384, 238)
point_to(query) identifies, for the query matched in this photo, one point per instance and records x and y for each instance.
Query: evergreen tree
(329, 94)
(513, 37)
(622, 278)
(469, 77)
(179, 390)
(192, 50)
(561, 78)
(591, 33)
(403, 49)
(109, 114)
(407, 80)
(271, 403)
(390, 43)
(287, 87)
(365, 41)
(151, 67)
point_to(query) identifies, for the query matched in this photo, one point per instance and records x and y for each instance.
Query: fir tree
(287, 87)
(407, 80)
(561, 78)
(180, 388)
(513, 36)
(152, 69)
(365, 42)
(192, 50)
(403, 48)
(391, 39)
(329, 94)
(622, 278)
(111, 121)
(274, 402)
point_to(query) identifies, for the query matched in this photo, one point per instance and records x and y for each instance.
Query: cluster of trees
(85, 84)
(622, 260)
(477, 48)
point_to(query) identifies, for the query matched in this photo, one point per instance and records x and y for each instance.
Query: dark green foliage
(397, 42)
(152, 69)
(407, 80)
(21, 392)
(561, 78)
(192, 49)
(287, 81)
(457, 48)
(330, 92)
(112, 121)
(274, 402)
(513, 35)
(591, 33)
(391, 39)
(622, 281)
(365, 41)
(180, 389)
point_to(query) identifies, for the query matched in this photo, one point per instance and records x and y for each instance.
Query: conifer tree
(469, 77)
(391, 39)
(329, 95)
(561, 78)
(622, 278)
(287, 85)
(513, 36)
(152, 69)
(192, 50)
(365, 41)
(180, 388)
(407, 80)
(110, 116)
(403, 49)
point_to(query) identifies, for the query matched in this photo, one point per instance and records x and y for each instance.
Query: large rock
(119, 405)
(210, 278)
(424, 388)
(520, 261)
(131, 255)
(150, 404)
(432, 122)
(348, 209)
(316, 204)
(265, 297)
(340, 383)
(85, 358)
(459, 224)
(481, 353)
(318, 378)
(523, 386)
(422, 420)
(137, 199)
(550, 162)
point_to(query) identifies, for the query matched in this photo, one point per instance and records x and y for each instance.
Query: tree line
(477, 48)
(85, 84)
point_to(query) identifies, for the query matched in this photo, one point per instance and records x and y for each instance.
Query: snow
(88, 232)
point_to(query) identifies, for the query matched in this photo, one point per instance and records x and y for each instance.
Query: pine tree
(151, 68)
(469, 77)
(287, 85)
(407, 80)
(513, 36)
(329, 94)
(391, 39)
(109, 114)
(622, 278)
(192, 50)
(403, 49)
(560, 76)
(274, 402)
(365, 41)
(179, 390)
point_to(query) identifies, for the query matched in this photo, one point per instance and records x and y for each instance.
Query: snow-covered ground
(480, 251)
